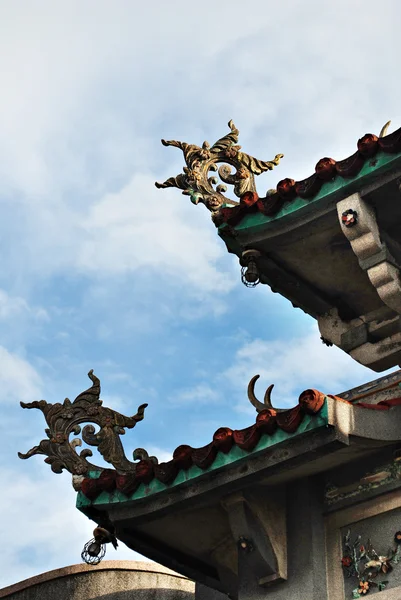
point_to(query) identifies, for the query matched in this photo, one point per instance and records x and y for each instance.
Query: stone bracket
(355, 337)
(364, 236)
(372, 339)
(386, 279)
(375, 259)
(258, 526)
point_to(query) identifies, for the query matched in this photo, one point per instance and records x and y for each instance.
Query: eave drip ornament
(65, 419)
(249, 268)
(196, 182)
(95, 550)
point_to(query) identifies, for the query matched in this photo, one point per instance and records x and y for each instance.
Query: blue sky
(101, 270)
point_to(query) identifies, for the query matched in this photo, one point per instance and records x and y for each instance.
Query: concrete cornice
(79, 569)
(360, 421)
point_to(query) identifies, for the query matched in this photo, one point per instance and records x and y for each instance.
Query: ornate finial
(384, 129)
(195, 180)
(266, 404)
(64, 419)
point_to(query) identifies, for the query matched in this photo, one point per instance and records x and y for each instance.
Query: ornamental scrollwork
(65, 419)
(196, 182)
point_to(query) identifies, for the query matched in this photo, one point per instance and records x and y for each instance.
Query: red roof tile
(224, 439)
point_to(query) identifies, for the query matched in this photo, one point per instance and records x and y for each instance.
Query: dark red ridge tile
(246, 439)
(204, 457)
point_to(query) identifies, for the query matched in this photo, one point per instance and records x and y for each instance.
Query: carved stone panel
(363, 549)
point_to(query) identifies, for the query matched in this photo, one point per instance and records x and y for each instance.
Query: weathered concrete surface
(202, 592)
(111, 580)
(306, 556)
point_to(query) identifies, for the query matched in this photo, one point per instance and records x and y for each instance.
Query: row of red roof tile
(327, 169)
(267, 422)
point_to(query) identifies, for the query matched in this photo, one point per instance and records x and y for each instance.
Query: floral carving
(349, 218)
(196, 182)
(367, 566)
(65, 419)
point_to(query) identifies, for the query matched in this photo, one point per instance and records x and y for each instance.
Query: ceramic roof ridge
(326, 170)
(225, 440)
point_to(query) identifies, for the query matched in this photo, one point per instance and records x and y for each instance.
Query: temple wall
(111, 580)
(306, 554)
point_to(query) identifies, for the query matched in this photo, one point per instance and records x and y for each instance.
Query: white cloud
(13, 306)
(294, 365)
(125, 233)
(199, 394)
(161, 454)
(18, 379)
(55, 61)
(83, 108)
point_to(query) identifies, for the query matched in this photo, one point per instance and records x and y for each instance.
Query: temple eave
(188, 526)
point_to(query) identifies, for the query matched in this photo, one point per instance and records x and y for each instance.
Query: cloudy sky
(101, 270)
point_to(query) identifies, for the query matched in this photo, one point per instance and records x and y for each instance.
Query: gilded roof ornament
(65, 419)
(196, 182)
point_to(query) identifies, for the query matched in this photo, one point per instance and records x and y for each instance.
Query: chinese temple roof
(374, 155)
(134, 480)
(228, 446)
(179, 512)
(330, 244)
